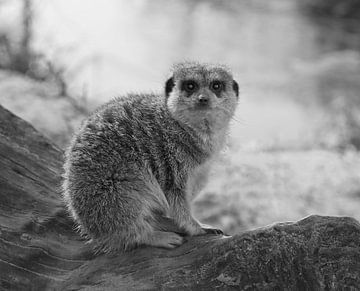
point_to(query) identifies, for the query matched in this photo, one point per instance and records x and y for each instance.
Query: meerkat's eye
(189, 86)
(216, 86)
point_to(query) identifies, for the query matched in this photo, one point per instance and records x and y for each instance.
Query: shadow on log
(39, 249)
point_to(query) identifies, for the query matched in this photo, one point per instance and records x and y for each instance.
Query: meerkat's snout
(203, 100)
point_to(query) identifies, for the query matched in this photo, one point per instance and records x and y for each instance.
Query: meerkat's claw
(213, 230)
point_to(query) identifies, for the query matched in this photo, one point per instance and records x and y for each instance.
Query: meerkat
(137, 162)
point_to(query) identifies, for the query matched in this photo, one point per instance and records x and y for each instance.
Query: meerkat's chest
(197, 179)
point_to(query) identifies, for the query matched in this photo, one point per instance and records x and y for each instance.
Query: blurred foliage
(345, 9)
(338, 75)
(338, 22)
(17, 55)
(337, 91)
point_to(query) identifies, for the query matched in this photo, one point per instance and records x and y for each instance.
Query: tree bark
(40, 249)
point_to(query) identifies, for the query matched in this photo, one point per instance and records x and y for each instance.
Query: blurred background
(294, 143)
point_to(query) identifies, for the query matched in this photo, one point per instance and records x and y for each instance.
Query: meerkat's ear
(169, 85)
(236, 88)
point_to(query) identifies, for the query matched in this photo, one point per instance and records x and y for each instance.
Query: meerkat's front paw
(205, 230)
(194, 229)
(199, 231)
(212, 230)
(202, 229)
(168, 240)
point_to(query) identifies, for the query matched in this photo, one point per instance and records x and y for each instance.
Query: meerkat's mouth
(198, 107)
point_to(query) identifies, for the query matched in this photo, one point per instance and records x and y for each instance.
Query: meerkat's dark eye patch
(236, 88)
(217, 86)
(189, 86)
(169, 85)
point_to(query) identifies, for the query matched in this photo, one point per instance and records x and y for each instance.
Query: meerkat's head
(202, 96)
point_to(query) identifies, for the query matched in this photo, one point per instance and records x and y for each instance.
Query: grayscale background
(294, 142)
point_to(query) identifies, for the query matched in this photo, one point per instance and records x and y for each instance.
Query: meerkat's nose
(203, 99)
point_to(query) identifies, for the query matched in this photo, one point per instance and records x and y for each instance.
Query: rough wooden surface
(39, 249)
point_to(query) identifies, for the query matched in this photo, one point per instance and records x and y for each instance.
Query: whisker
(232, 117)
(239, 121)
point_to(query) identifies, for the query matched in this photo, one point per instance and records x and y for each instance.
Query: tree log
(41, 250)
